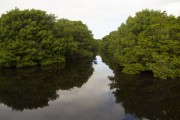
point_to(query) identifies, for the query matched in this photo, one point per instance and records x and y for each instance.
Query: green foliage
(77, 39)
(108, 43)
(35, 38)
(150, 41)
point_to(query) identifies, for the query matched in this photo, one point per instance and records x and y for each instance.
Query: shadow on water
(144, 96)
(33, 88)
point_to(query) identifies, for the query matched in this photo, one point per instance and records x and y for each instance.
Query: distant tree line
(35, 38)
(150, 41)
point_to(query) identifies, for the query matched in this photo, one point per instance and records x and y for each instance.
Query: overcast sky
(101, 16)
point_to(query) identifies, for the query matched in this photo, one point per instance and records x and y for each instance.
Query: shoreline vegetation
(34, 38)
(149, 41)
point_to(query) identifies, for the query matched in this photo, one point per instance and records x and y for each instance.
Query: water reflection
(144, 96)
(86, 96)
(33, 88)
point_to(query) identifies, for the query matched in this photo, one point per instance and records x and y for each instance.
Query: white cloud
(101, 16)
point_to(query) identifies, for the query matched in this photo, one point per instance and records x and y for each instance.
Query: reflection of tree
(33, 87)
(144, 96)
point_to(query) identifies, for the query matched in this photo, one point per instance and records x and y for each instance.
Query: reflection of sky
(93, 101)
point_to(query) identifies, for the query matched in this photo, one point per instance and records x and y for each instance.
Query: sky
(101, 16)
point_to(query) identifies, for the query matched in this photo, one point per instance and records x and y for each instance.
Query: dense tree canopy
(150, 41)
(33, 37)
(76, 38)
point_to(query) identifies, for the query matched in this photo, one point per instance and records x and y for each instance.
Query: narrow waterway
(92, 101)
(78, 92)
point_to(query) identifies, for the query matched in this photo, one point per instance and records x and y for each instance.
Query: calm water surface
(82, 91)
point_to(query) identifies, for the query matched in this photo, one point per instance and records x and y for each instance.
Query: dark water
(86, 90)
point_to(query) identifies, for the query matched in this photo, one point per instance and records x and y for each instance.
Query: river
(82, 91)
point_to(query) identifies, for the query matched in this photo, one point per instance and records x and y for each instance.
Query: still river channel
(85, 90)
